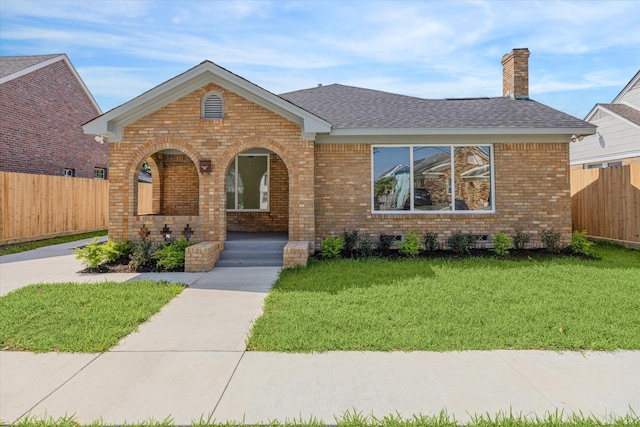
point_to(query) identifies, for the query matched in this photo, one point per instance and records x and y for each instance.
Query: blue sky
(582, 52)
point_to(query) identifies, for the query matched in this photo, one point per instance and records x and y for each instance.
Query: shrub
(365, 246)
(460, 242)
(91, 255)
(430, 241)
(411, 245)
(551, 240)
(350, 243)
(384, 243)
(115, 250)
(94, 254)
(580, 244)
(332, 247)
(501, 244)
(171, 256)
(520, 239)
(141, 255)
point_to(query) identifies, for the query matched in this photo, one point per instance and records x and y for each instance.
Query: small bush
(141, 255)
(461, 243)
(520, 239)
(91, 255)
(411, 245)
(350, 243)
(580, 244)
(115, 250)
(551, 240)
(501, 244)
(365, 246)
(384, 243)
(171, 256)
(430, 241)
(94, 254)
(332, 247)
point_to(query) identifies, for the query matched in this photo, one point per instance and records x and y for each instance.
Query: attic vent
(212, 106)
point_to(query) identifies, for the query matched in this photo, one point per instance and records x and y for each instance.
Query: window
(603, 165)
(99, 173)
(212, 107)
(247, 183)
(69, 172)
(432, 178)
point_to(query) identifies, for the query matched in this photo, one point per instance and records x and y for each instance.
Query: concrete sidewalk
(189, 362)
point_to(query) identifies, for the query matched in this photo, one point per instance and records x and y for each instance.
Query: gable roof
(352, 110)
(113, 122)
(624, 111)
(632, 83)
(346, 110)
(12, 67)
(621, 112)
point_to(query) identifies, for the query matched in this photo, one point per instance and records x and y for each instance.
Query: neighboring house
(617, 140)
(227, 155)
(43, 104)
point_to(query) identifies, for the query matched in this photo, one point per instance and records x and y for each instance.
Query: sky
(582, 52)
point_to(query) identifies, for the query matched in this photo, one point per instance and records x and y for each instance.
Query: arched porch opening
(167, 183)
(257, 193)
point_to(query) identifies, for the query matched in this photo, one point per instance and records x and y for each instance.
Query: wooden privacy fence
(36, 207)
(606, 202)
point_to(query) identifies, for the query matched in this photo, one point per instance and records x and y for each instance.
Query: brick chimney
(515, 74)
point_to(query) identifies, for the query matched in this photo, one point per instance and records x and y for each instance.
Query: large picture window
(247, 183)
(432, 178)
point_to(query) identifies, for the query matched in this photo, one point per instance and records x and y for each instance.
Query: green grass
(78, 317)
(359, 419)
(446, 305)
(27, 246)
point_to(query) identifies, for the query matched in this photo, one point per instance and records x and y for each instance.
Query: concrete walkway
(189, 362)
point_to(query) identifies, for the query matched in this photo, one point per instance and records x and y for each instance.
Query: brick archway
(297, 229)
(152, 149)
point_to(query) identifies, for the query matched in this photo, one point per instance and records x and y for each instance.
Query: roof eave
(617, 115)
(113, 122)
(578, 131)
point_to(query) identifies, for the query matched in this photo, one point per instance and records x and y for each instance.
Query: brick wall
(41, 117)
(245, 125)
(531, 182)
(178, 185)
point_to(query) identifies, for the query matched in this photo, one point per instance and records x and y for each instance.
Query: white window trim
(446, 212)
(236, 183)
(202, 105)
(104, 173)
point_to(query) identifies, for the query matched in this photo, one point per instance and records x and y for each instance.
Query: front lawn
(445, 305)
(78, 317)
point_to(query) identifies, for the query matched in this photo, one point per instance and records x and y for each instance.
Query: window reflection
(432, 178)
(392, 185)
(472, 178)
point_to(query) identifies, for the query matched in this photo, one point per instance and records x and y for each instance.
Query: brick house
(43, 104)
(227, 155)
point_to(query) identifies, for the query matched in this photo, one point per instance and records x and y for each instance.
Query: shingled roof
(13, 64)
(348, 107)
(625, 111)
